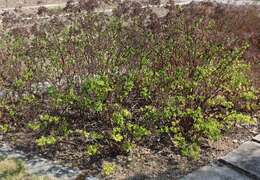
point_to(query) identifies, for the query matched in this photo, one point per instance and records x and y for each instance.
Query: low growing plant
(114, 82)
(108, 168)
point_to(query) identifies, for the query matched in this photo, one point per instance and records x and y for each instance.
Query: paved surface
(216, 171)
(39, 166)
(241, 164)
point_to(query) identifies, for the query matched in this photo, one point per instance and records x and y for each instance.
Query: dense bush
(112, 82)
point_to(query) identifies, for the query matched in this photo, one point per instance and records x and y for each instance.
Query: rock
(41, 87)
(257, 138)
(235, 141)
(2, 93)
(91, 178)
(254, 130)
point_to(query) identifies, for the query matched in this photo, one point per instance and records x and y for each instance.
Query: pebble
(2, 93)
(91, 178)
(235, 141)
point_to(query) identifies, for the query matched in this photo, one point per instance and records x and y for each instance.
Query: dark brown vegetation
(90, 86)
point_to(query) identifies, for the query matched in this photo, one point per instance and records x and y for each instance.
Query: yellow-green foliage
(92, 150)
(114, 82)
(43, 141)
(108, 168)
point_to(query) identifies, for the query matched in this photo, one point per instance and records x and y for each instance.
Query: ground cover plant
(107, 84)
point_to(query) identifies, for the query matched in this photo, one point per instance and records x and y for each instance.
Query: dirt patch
(145, 162)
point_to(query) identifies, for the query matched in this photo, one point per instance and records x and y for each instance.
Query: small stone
(91, 178)
(242, 141)
(257, 138)
(2, 93)
(254, 130)
(129, 159)
(235, 141)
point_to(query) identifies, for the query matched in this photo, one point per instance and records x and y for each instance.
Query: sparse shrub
(92, 150)
(44, 141)
(4, 128)
(108, 168)
(116, 81)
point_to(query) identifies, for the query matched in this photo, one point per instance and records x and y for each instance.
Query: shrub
(117, 81)
(108, 168)
(43, 141)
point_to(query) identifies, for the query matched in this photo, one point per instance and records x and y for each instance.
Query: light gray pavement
(40, 166)
(241, 164)
(216, 171)
(245, 158)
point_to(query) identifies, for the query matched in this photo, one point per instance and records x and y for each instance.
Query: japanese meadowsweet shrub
(113, 82)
